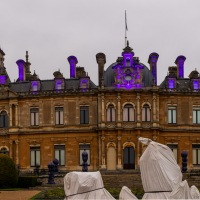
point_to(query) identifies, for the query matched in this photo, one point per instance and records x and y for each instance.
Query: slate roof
(47, 85)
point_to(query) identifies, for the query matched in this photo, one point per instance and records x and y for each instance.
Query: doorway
(129, 158)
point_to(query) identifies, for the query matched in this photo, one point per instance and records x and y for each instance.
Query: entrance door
(129, 158)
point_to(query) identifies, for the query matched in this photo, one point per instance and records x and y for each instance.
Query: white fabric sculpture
(194, 192)
(85, 185)
(126, 194)
(160, 172)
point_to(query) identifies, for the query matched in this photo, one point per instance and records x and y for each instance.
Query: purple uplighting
(2, 79)
(58, 84)
(72, 61)
(34, 85)
(171, 83)
(84, 83)
(21, 67)
(195, 84)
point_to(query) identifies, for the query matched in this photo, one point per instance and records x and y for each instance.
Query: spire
(128, 49)
(27, 56)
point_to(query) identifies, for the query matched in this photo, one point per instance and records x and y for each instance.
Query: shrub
(8, 172)
(27, 181)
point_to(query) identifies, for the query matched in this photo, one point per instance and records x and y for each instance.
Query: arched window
(3, 150)
(128, 113)
(3, 119)
(111, 113)
(146, 113)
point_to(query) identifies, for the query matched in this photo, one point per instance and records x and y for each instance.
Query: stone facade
(44, 119)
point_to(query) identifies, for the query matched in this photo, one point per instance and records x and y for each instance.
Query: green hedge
(27, 181)
(8, 172)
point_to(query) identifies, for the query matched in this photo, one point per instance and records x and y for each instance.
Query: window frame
(196, 149)
(146, 113)
(61, 153)
(84, 114)
(172, 112)
(34, 116)
(82, 147)
(110, 113)
(35, 150)
(197, 117)
(59, 115)
(173, 147)
(127, 117)
(4, 119)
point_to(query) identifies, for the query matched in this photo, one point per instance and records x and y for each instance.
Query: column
(10, 150)
(10, 114)
(16, 114)
(119, 153)
(103, 111)
(17, 151)
(154, 110)
(138, 110)
(103, 161)
(119, 110)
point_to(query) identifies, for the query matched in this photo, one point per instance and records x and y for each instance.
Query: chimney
(101, 60)
(22, 70)
(153, 58)
(72, 62)
(180, 66)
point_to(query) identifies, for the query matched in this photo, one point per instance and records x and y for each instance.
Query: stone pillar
(138, 150)
(138, 111)
(103, 159)
(119, 153)
(103, 110)
(11, 115)
(11, 150)
(119, 111)
(17, 151)
(16, 115)
(154, 110)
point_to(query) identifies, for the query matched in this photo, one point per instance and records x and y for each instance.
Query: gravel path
(18, 195)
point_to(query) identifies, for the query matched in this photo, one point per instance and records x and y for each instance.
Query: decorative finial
(127, 43)
(27, 56)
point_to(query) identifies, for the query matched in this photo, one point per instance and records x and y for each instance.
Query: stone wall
(119, 179)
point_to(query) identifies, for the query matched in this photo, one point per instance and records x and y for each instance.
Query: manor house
(61, 117)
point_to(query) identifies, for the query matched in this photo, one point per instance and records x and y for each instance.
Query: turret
(22, 70)
(153, 58)
(72, 62)
(101, 60)
(180, 66)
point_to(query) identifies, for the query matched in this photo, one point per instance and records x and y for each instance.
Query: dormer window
(35, 86)
(171, 83)
(2, 79)
(59, 84)
(84, 83)
(195, 84)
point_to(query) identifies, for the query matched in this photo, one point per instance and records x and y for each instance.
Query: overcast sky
(52, 30)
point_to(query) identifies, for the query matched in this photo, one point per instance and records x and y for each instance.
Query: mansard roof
(47, 85)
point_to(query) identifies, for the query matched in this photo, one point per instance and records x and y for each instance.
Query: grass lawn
(58, 193)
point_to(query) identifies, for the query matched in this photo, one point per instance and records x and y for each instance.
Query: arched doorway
(129, 157)
(111, 157)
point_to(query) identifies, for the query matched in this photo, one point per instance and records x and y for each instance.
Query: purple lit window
(195, 85)
(171, 83)
(34, 86)
(58, 85)
(2, 79)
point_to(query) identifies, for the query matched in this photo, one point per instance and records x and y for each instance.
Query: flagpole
(126, 28)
